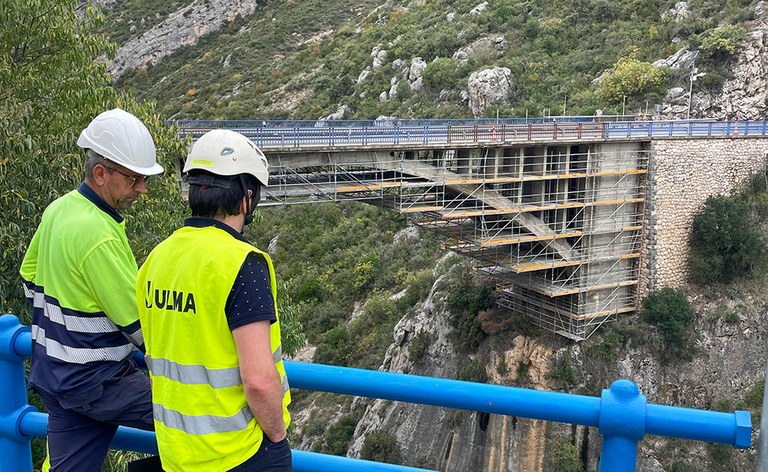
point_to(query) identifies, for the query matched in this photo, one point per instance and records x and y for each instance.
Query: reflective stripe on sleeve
(192, 374)
(202, 424)
(278, 354)
(78, 355)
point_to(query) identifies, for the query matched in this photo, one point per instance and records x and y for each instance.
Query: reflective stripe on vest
(198, 374)
(202, 424)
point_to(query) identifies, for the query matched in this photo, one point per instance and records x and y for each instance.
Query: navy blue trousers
(271, 457)
(80, 428)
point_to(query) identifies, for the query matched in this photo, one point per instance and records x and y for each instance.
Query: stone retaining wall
(682, 174)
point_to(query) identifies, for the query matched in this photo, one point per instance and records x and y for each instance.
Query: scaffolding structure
(558, 224)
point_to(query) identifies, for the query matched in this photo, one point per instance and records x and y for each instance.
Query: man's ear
(98, 175)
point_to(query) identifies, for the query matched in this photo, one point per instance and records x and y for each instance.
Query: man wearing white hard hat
(207, 304)
(79, 274)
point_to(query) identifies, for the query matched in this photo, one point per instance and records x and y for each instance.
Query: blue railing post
(15, 449)
(622, 424)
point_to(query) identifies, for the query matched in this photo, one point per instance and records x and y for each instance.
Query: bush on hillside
(631, 78)
(725, 244)
(669, 311)
(381, 446)
(722, 41)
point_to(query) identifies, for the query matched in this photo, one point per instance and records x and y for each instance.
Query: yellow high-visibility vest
(202, 418)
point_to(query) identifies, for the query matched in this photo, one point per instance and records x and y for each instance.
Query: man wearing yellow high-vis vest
(207, 305)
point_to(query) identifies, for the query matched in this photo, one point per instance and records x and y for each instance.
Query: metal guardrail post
(622, 424)
(15, 448)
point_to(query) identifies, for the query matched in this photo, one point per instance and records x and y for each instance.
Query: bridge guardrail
(621, 414)
(298, 134)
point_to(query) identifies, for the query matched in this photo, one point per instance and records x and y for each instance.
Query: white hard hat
(122, 138)
(227, 153)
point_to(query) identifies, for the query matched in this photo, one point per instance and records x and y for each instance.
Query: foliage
(724, 40)
(562, 373)
(50, 88)
(337, 437)
(444, 73)
(381, 446)
(473, 371)
(631, 78)
(291, 331)
(754, 396)
(669, 310)
(417, 352)
(565, 456)
(554, 50)
(725, 244)
(466, 297)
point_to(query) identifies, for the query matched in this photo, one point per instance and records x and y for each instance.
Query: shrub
(337, 437)
(668, 309)
(473, 371)
(466, 298)
(419, 346)
(565, 457)
(562, 373)
(631, 78)
(725, 244)
(380, 446)
(722, 41)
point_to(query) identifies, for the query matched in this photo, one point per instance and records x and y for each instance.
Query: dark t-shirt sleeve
(250, 299)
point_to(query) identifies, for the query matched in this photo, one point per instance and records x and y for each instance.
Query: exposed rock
(450, 16)
(488, 43)
(489, 86)
(682, 59)
(417, 69)
(272, 247)
(679, 12)
(417, 84)
(379, 56)
(478, 9)
(342, 112)
(363, 75)
(384, 120)
(182, 28)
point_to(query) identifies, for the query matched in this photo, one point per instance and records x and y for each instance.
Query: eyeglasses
(134, 179)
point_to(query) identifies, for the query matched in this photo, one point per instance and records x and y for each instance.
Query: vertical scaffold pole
(622, 424)
(15, 450)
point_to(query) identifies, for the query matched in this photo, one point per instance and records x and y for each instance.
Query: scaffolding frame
(559, 224)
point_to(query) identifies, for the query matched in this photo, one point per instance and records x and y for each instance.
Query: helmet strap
(248, 208)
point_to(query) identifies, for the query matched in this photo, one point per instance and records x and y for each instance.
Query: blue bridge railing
(414, 133)
(622, 415)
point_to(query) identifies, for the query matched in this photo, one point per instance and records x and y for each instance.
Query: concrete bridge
(564, 211)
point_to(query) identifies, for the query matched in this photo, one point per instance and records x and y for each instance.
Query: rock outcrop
(182, 28)
(494, 85)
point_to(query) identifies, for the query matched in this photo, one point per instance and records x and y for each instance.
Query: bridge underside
(559, 224)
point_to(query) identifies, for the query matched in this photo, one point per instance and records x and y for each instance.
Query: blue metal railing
(298, 134)
(621, 414)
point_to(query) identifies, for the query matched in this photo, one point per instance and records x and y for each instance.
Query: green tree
(630, 77)
(725, 243)
(381, 446)
(669, 310)
(722, 41)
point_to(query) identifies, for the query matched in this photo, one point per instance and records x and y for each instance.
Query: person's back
(206, 301)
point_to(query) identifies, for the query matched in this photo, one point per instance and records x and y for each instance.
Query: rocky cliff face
(182, 28)
(744, 96)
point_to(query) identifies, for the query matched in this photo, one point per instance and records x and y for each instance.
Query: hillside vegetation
(302, 60)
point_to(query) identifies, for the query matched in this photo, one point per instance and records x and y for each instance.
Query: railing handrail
(621, 414)
(281, 134)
